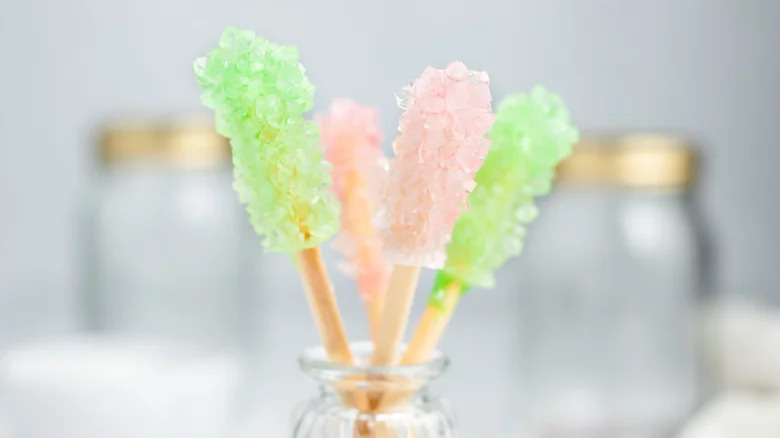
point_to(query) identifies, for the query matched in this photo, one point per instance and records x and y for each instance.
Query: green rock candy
(259, 92)
(530, 136)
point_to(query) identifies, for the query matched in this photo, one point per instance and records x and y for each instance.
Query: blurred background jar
(611, 283)
(168, 300)
(166, 241)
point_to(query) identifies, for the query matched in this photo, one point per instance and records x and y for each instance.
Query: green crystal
(259, 93)
(530, 136)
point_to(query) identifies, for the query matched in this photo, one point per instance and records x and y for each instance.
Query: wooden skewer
(424, 340)
(395, 314)
(374, 314)
(431, 327)
(322, 302)
(360, 205)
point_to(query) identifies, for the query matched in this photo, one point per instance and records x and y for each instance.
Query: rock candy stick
(440, 147)
(352, 141)
(531, 135)
(259, 93)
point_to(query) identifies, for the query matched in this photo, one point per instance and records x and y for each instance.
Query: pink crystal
(440, 146)
(352, 141)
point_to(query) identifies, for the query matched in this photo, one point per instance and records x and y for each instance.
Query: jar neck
(368, 388)
(374, 383)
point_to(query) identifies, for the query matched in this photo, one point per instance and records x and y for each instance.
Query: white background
(709, 69)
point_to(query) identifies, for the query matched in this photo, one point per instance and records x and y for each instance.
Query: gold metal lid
(654, 160)
(634, 160)
(188, 141)
(590, 162)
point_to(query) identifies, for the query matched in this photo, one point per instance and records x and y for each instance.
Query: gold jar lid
(190, 141)
(590, 162)
(635, 160)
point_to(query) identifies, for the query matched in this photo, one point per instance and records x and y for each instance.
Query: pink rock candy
(440, 147)
(352, 140)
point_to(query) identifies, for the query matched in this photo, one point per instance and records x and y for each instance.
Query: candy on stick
(259, 93)
(530, 136)
(352, 142)
(440, 147)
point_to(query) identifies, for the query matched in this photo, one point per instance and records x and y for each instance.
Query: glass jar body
(326, 416)
(391, 402)
(611, 289)
(165, 254)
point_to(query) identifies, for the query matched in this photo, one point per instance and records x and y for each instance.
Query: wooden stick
(424, 340)
(358, 202)
(431, 327)
(322, 301)
(374, 314)
(395, 314)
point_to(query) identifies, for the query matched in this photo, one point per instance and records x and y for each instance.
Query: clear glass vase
(376, 402)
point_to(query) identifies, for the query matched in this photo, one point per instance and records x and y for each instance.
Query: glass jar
(361, 401)
(166, 240)
(611, 284)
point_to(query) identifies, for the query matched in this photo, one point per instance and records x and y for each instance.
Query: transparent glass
(377, 402)
(166, 251)
(167, 263)
(610, 291)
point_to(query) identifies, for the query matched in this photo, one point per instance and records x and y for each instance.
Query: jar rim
(314, 362)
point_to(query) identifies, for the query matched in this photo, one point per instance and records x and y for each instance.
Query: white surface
(737, 415)
(85, 387)
(745, 344)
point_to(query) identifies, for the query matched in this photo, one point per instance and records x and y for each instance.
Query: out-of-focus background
(619, 320)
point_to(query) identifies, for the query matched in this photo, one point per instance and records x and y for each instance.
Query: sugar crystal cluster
(352, 142)
(440, 147)
(259, 92)
(531, 135)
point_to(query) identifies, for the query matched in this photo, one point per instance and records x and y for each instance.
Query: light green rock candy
(530, 136)
(259, 92)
